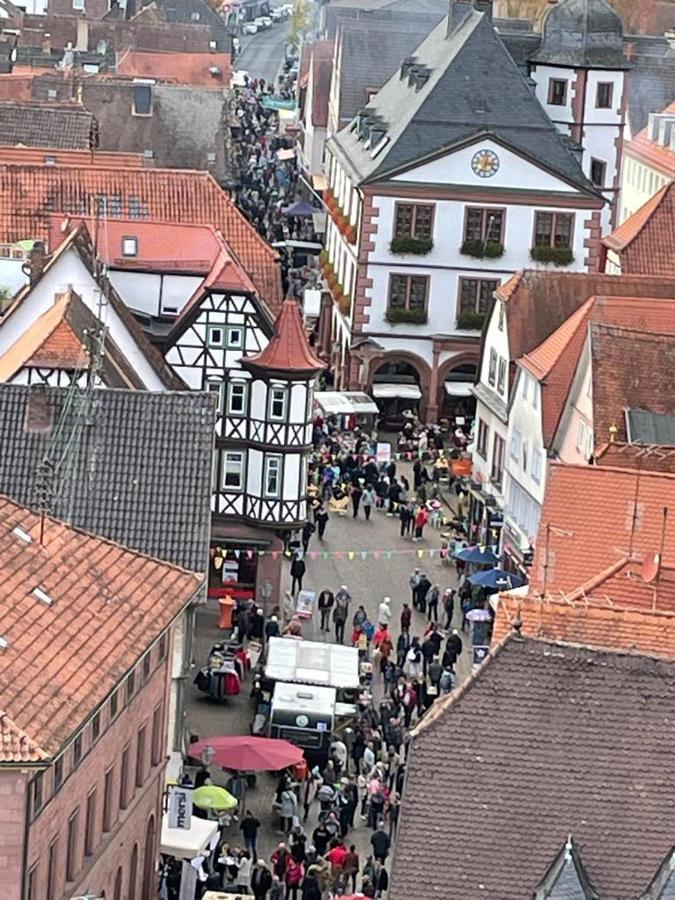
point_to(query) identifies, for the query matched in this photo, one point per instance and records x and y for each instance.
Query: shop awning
(348, 403)
(459, 388)
(186, 843)
(402, 391)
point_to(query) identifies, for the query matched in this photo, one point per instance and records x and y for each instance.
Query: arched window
(149, 888)
(133, 874)
(117, 891)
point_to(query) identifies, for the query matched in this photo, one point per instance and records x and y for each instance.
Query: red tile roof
(646, 240)
(37, 156)
(591, 622)
(59, 339)
(183, 68)
(29, 195)
(631, 369)
(652, 153)
(60, 660)
(537, 301)
(599, 525)
(636, 456)
(161, 246)
(555, 361)
(288, 349)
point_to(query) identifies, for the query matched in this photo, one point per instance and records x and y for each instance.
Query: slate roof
(582, 33)
(474, 89)
(38, 125)
(371, 52)
(62, 338)
(545, 740)
(590, 621)
(634, 371)
(62, 659)
(593, 527)
(31, 194)
(138, 471)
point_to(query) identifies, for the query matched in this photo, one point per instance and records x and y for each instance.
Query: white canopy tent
(345, 403)
(186, 843)
(459, 388)
(312, 662)
(402, 391)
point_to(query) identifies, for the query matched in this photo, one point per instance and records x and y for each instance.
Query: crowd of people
(267, 176)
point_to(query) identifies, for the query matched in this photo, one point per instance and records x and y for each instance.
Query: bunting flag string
(219, 553)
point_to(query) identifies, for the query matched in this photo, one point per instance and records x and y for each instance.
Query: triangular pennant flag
(339, 554)
(388, 554)
(432, 554)
(249, 553)
(420, 553)
(275, 554)
(217, 563)
(261, 552)
(237, 554)
(376, 554)
(313, 554)
(351, 554)
(326, 554)
(364, 554)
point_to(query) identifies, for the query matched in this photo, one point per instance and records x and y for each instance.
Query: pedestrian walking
(249, 826)
(308, 530)
(406, 617)
(350, 866)
(340, 612)
(384, 612)
(448, 607)
(423, 587)
(325, 603)
(298, 568)
(421, 520)
(380, 842)
(432, 598)
(321, 519)
(261, 880)
(414, 581)
(244, 872)
(367, 499)
(355, 495)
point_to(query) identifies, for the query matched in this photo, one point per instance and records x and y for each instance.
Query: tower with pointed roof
(580, 72)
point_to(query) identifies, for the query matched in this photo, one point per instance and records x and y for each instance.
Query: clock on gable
(485, 163)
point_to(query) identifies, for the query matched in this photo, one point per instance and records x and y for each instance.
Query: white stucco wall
(70, 272)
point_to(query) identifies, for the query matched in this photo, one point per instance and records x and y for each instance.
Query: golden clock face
(485, 163)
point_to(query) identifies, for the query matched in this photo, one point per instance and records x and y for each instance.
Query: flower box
(559, 256)
(350, 234)
(418, 246)
(397, 315)
(470, 321)
(482, 249)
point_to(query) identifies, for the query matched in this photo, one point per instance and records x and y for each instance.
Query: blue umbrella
(496, 580)
(477, 555)
(301, 208)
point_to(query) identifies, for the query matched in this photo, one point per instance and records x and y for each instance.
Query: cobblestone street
(368, 581)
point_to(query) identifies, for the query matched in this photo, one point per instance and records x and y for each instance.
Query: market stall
(187, 843)
(344, 405)
(312, 662)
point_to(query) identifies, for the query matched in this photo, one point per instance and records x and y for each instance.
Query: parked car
(250, 28)
(278, 14)
(239, 78)
(267, 21)
(260, 23)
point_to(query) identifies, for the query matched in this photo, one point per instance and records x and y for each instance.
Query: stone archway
(462, 365)
(407, 362)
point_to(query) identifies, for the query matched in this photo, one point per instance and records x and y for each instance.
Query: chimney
(665, 130)
(652, 126)
(460, 10)
(37, 258)
(82, 42)
(672, 139)
(485, 7)
(47, 44)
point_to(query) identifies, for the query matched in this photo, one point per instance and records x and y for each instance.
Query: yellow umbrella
(212, 797)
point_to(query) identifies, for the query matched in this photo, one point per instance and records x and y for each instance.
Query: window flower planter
(559, 256)
(323, 259)
(418, 246)
(344, 301)
(350, 234)
(470, 321)
(412, 316)
(482, 249)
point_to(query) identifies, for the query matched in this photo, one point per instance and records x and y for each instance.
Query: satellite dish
(101, 47)
(651, 567)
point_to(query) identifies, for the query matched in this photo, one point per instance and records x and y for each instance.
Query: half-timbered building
(225, 342)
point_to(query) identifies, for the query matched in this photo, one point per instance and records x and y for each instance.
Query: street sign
(180, 808)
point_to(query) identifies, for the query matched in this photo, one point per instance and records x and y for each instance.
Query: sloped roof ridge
(629, 230)
(598, 470)
(9, 727)
(542, 360)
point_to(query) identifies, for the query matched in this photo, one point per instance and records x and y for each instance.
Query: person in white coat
(384, 612)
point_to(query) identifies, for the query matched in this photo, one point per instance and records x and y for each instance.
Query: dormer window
(215, 336)
(129, 246)
(278, 400)
(234, 338)
(142, 105)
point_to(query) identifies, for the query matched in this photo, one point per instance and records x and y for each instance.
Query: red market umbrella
(247, 753)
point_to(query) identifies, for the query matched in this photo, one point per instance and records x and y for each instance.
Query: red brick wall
(593, 227)
(13, 787)
(112, 848)
(93, 9)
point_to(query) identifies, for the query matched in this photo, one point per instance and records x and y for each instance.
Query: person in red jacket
(421, 520)
(295, 872)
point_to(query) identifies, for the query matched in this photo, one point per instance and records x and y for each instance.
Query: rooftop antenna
(661, 548)
(633, 523)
